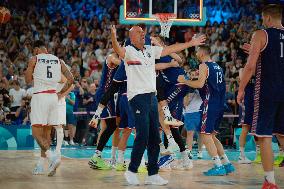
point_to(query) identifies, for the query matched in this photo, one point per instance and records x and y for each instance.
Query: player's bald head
(275, 11)
(137, 36)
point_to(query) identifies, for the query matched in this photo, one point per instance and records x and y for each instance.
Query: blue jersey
(171, 74)
(106, 78)
(120, 76)
(270, 69)
(214, 90)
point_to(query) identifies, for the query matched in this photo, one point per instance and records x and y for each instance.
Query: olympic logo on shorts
(131, 14)
(194, 16)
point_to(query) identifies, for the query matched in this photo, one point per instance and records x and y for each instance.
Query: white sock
(143, 161)
(225, 159)
(59, 139)
(98, 153)
(217, 161)
(270, 177)
(242, 152)
(113, 152)
(120, 158)
(166, 111)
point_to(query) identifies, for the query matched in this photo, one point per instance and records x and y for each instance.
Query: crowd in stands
(79, 33)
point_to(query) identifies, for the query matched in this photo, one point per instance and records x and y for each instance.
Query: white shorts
(62, 113)
(44, 109)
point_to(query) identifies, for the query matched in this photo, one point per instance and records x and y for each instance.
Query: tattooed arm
(70, 79)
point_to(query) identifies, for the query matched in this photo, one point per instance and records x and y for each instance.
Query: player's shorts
(44, 109)
(125, 113)
(71, 119)
(211, 117)
(268, 118)
(62, 114)
(192, 120)
(110, 110)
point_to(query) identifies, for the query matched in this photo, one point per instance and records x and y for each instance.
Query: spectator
(23, 112)
(16, 95)
(70, 117)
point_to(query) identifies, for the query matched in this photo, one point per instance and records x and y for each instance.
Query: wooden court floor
(16, 167)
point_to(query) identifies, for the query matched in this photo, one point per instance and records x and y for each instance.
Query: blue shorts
(192, 120)
(125, 113)
(211, 117)
(268, 118)
(110, 110)
(71, 119)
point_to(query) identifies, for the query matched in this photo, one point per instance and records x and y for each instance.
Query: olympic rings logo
(195, 16)
(131, 14)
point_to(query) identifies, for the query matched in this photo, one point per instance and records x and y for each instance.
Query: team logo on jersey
(148, 54)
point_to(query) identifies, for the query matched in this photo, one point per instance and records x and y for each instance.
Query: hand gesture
(240, 97)
(181, 79)
(94, 122)
(246, 47)
(113, 29)
(200, 40)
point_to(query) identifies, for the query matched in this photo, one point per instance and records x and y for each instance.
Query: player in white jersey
(45, 71)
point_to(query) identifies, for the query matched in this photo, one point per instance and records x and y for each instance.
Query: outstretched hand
(113, 29)
(200, 40)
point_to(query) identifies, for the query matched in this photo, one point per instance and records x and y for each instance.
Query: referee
(141, 92)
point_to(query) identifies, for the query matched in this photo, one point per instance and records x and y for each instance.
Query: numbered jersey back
(47, 72)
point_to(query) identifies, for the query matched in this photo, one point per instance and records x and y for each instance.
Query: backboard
(188, 12)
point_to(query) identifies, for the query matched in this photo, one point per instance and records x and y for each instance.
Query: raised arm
(30, 70)
(181, 46)
(115, 45)
(257, 43)
(203, 73)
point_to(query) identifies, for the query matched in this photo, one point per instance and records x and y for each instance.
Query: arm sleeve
(114, 87)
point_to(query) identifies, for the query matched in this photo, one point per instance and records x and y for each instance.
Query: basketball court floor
(74, 173)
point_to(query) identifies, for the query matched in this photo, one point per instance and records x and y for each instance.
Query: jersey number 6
(48, 72)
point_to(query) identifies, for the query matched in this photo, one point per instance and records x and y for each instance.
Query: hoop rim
(165, 16)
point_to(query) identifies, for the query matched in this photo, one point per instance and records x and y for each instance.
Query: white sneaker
(131, 178)
(172, 121)
(156, 180)
(244, 160)
(164, 151)
(39, 169)
(54, 162)
(65, 143)
(172, 145)
(165, 168)
(72, 143)
(187, 163)
(199, 155)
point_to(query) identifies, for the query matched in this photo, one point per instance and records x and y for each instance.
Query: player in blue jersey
(212, 89)
(107, 114)
(268, 119)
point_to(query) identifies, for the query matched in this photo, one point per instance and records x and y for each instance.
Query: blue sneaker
(229, 168)
(216, 171)
(165, 160)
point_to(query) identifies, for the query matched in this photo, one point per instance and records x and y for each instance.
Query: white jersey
(194, 104)
(62, 100)
(47, 72)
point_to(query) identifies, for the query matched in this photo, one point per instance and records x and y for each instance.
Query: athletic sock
(59, 139)
(143, 161)
(120, 158)
(217, 161)
(225, 159)
(269, 176)
(97, 154)
(242, 152)
(113, 152)
(166, 111)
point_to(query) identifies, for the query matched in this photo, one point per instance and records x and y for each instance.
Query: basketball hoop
(165, 20)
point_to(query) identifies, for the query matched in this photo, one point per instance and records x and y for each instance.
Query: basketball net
(165, 20)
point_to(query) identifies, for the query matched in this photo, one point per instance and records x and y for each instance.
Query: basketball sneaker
(112, 162)
(267, 185)
(229, 168)
(257, 158)
(278, 160)
(172, 121)
(54, 162)
(216, 171)
(120, 167)
(164, 151)
(244, 160)
(39, 169)
(183, 164)
(164, 162)
(155, 180)
(189, 153)
(96, 162)
(172, 147)
(199, 155)
(131, 178)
